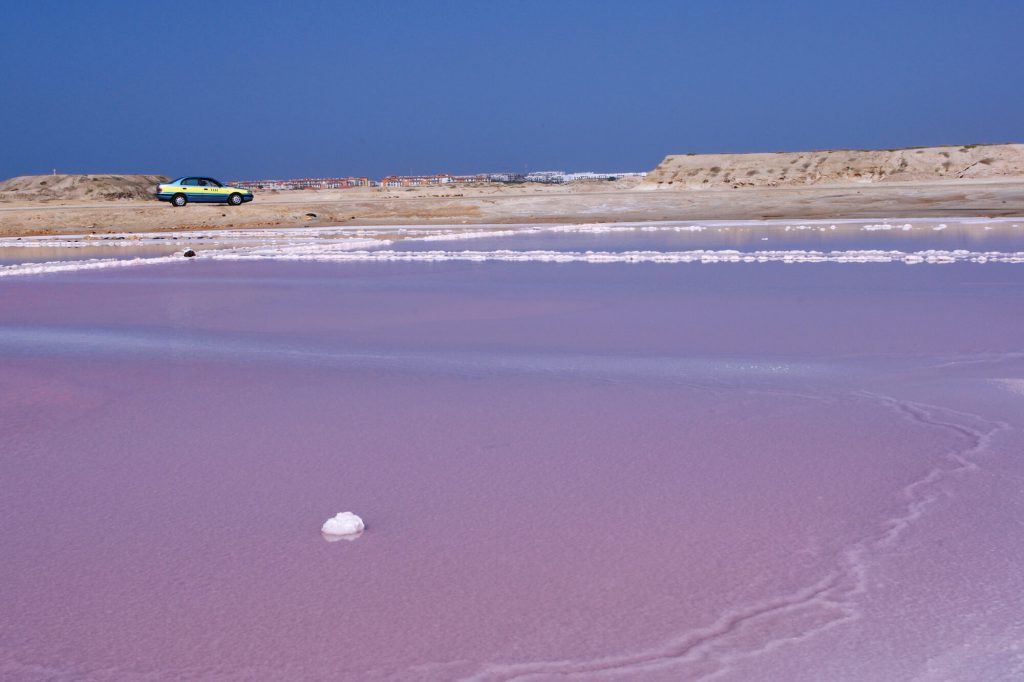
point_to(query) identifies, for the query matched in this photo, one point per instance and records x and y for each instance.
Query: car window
(213, 183)
(190, 182)
(203, 183)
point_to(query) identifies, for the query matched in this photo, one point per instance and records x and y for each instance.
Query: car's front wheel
(179, 200)
(235, 199)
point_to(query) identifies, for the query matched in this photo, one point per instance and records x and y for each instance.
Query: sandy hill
(843, 166)
(78, 187)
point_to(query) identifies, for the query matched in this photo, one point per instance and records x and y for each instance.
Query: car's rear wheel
(179, 200)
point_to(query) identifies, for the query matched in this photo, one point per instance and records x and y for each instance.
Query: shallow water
(923, 240)
(567, 471)
(916, 235)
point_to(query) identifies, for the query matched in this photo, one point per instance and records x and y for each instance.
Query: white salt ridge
(295, 235)
(291, 235)
(906, 227)
(270, 250)
(76, 265)
(319, 235)
(802, 228)
(592, 229)
(933, 256)
(601, 228)
(351, 252)
(346, 244)
(329, 250)
(343, 523)
(446, 236)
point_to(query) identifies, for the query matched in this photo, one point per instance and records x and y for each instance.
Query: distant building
(259, 184)
(417, 180)
(400, 181)
(468, 179)
(548, 177)
(558, 177)
(306, 183)
(506, 177)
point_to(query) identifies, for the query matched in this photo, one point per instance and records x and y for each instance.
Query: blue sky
(283, 89)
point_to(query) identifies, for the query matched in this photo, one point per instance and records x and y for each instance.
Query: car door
(192, 189)
(203, 190)
(214, 190)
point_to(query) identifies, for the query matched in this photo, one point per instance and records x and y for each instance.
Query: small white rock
(344, 523)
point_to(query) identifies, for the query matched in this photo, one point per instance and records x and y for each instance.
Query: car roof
(195, 177)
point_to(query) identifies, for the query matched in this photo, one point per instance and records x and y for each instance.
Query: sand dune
(842, 166)
(79, 187)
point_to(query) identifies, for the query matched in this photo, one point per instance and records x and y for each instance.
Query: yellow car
(184, 190)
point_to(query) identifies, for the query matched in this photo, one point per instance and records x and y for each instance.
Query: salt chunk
(344, 523)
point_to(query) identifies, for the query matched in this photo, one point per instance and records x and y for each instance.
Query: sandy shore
(583, 203)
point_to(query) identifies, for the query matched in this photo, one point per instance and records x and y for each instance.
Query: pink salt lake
(567, 471)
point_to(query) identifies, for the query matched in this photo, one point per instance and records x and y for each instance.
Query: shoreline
(911, 241)
(505, 205)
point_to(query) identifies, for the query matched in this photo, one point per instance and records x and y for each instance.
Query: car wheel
(179, 200)
(235, 199)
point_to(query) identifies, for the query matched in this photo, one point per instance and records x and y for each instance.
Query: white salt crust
(322, 254)
(340, 254)
(340, 244)
(343, 523)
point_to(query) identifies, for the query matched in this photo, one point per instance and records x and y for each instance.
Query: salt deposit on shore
(698, 256)
(876, 243)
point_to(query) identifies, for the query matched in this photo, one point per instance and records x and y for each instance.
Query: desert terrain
(969, 180)
(839, 166)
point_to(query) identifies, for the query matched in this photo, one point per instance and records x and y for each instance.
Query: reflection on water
(336, 538)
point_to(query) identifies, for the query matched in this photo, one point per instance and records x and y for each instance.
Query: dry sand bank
(471, 205)
(48, 188)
